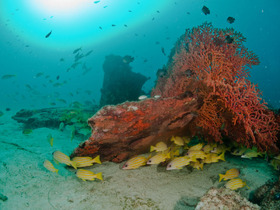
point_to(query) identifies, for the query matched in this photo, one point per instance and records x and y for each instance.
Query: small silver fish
(143, 97)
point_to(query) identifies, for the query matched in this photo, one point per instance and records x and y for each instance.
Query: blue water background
(24, 50)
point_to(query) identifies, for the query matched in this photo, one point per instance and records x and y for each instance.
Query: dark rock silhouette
(120, 84)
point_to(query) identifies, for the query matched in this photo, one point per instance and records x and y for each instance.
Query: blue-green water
(141, 29)
(40, 67)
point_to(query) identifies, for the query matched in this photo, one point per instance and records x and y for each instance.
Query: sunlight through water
(73, 22)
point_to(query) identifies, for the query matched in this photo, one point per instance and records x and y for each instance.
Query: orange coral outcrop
(214, 64)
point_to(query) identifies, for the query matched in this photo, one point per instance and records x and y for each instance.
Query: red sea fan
(214, 64)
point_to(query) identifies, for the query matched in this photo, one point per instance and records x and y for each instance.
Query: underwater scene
(137, 104)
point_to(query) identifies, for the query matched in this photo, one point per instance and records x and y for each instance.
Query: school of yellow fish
(182, 152)
(76, 162)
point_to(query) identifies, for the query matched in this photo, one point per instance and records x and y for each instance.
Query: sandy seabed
(28, 185)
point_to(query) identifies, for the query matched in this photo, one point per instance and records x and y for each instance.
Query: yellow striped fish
(48, 165)
(196, 154)
(177, 140)
(179, 163)
(86, 161)
(214, 158)
(88, 175)
(50, 139)
(160, 147)
(158, 158)
(135, 162)
(198, 165)
(62, 158)
(196, 147)
(186, 139)
(230, 174)
(208, 148)
(235, 184)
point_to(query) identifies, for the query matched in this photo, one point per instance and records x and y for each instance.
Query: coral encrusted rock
(129, 129)
(224, 199)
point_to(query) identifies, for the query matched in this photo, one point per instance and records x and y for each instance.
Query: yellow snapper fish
(177, 140)
(86, 161)
(198, 165)
(62, 158)
(196, 154)
(235, 184)
(230, 174)
(186, 139)
(135, 162)
(160, 147)
(196, 147)
(158, 158)
(50, 139)
(219, 149)
(250, 154)
(239, 151)
(88, 175)
(49, 166)
(179, 163)
(208, 148)
(174, 151)
(214, 158)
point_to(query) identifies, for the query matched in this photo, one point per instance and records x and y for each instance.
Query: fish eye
(149, 161)
(169, 166)
(125, 165)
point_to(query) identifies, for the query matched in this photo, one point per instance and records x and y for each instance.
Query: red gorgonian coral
(214, 64)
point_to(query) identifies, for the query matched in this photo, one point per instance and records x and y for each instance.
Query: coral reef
(214, 64)
(120, 84)
(207, 67)
(224, 199)
(128, 129)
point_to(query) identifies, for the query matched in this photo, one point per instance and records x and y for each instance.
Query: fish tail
(74, 164)
(99, 176)
(222, 156)
(56, 171)
(168, 155)
(152, 148)
(96, 159)
(221, 177)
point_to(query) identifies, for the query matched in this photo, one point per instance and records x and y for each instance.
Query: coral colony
(204, 92)
(202, 106)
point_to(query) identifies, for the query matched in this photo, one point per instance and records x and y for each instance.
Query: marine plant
(213, 64)
(77, 118)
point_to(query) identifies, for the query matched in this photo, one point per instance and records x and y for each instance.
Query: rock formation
(120, 84)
